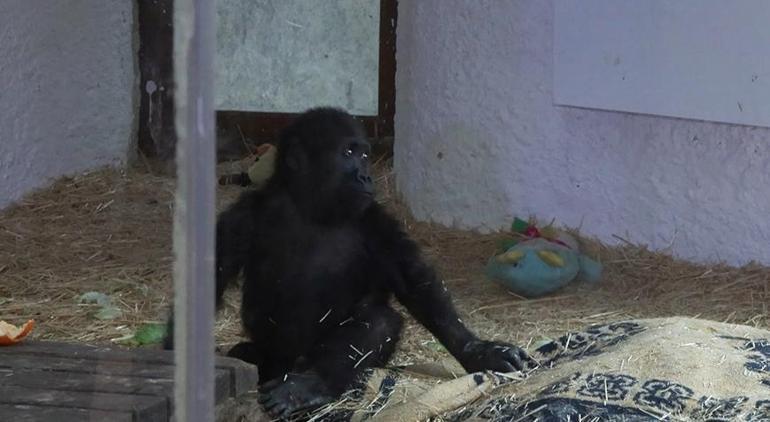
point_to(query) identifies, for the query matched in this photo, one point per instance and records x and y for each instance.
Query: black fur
(321, 260)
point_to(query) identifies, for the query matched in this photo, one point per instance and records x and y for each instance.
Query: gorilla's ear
(295, 156)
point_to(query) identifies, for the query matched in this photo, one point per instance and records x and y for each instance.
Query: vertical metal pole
(194, 217)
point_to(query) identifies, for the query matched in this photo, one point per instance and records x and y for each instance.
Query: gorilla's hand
(481, 355)
(298, 393)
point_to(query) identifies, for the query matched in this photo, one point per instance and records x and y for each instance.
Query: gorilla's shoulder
(260, 202)
(379, 219)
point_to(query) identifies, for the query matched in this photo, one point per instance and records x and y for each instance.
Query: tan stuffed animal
(258, 173)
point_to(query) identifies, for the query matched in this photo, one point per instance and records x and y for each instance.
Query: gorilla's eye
(364, 156)
(348, 152)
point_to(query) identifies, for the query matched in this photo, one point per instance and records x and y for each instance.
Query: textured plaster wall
(67, 83)
(289, 55)
(478, 140)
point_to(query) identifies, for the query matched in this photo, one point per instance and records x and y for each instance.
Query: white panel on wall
(697, 59)
(288, 55)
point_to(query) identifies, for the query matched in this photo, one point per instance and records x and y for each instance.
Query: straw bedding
(110, 231)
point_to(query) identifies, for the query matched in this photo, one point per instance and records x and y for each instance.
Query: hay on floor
(110, 231)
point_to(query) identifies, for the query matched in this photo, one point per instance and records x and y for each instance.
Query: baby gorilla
(321, 260)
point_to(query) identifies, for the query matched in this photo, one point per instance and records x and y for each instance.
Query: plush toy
(258, 173)
(541, 261)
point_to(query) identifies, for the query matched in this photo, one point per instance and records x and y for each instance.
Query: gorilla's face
(347, 176)
(325, 162)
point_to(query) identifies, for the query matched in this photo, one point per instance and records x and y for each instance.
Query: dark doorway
(157, 138)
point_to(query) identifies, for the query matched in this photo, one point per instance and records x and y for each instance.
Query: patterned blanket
(641, 370)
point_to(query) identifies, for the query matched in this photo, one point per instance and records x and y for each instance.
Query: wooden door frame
(157, 137)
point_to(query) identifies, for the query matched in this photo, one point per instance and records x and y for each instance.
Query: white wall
(67, 80)
(478, 140)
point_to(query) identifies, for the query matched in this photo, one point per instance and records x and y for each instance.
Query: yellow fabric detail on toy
(510, 257)
(551, 258)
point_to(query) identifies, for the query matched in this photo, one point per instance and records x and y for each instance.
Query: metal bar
(194, 217)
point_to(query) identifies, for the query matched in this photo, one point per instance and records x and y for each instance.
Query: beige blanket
(641, 370)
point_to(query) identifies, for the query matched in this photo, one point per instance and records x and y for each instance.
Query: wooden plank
(85, 351)
(45, 377)
(72, 381)
(90, 371)
(101, 383)
(243, 376)
(143, 408)
(107, 353)
(156, 135)
(25, 413)
(386, 100)
(86, 366)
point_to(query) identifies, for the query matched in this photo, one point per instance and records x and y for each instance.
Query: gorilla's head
(323, 161)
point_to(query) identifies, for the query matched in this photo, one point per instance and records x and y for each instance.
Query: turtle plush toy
(541, 262)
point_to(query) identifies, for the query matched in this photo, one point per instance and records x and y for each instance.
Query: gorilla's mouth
(362, 191)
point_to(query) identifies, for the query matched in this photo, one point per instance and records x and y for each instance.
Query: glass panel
(85, 228)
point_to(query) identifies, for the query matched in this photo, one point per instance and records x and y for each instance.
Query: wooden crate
(64, 382)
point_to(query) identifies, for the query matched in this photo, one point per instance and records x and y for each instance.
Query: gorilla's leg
(368, 339)
(269, 367)
(247, 352)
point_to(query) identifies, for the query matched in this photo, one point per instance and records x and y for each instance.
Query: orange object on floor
(10, 334)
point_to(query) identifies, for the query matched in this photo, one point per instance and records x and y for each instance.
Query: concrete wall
(478, 140)
(289, 55)
(67, 86)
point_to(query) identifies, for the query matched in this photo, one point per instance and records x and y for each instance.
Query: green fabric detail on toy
(519, 225)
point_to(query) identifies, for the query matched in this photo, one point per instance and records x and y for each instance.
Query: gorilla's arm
(235, 232)
(416, 286)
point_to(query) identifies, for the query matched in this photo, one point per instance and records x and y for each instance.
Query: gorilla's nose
(365, 179)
